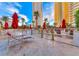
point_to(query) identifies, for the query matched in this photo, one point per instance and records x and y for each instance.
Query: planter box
(76, 38)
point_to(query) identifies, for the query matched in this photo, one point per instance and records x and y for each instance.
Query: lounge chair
(17, 39)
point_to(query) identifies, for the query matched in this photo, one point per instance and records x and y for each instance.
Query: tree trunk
(36, 22)
(53, 36)
(31, 32)
(22, 29)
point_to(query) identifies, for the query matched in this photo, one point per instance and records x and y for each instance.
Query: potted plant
(76, 32)
(71, 32)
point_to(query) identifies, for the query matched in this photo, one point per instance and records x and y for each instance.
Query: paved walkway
(37, 46)
(45, 47)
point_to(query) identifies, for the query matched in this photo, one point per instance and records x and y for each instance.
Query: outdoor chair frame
(14, 40)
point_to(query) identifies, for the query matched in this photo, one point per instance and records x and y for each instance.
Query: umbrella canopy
(44, 25)
(30, 26)
(6, 25)
(15, 21)
(63, 23)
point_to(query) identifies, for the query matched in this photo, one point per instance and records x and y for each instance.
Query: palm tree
(23, 20)
(77, 19)
(5, 18)
(46, 19)
(1, 24)
(47, 23)
(36, 14)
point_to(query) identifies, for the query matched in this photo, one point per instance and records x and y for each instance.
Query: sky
(24, 9)
(48, 12)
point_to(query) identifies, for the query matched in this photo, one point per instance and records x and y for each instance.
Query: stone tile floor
(45, 47)
(37, 46)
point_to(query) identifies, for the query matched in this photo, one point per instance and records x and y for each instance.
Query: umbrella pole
(52, 33)
(31, 32)
(41, 33)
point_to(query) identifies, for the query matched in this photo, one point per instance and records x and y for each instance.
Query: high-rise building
(70, 12)
(73, 6)
(37, 6)
(58, 13)
(63, 10)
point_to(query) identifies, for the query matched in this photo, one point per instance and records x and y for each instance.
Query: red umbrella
(63, 23)
(6, 25)
(15, 21)
(44, 25)
(30, 26)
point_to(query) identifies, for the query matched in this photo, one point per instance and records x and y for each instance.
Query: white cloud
(0, 16)
(20, 23)
(51, 22)
(47, 16)
(12, 10)
(47, 8)
(24, 16)
(52, 15)
(10, 18)
(17, 4)
(10, 7)
(49, 13)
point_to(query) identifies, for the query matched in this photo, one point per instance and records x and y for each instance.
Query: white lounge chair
(17, 39)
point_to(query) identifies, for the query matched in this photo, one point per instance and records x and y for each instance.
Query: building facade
(70, 12)
(57, 13)
(65, 10)
(37, 6)
(75, 6)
